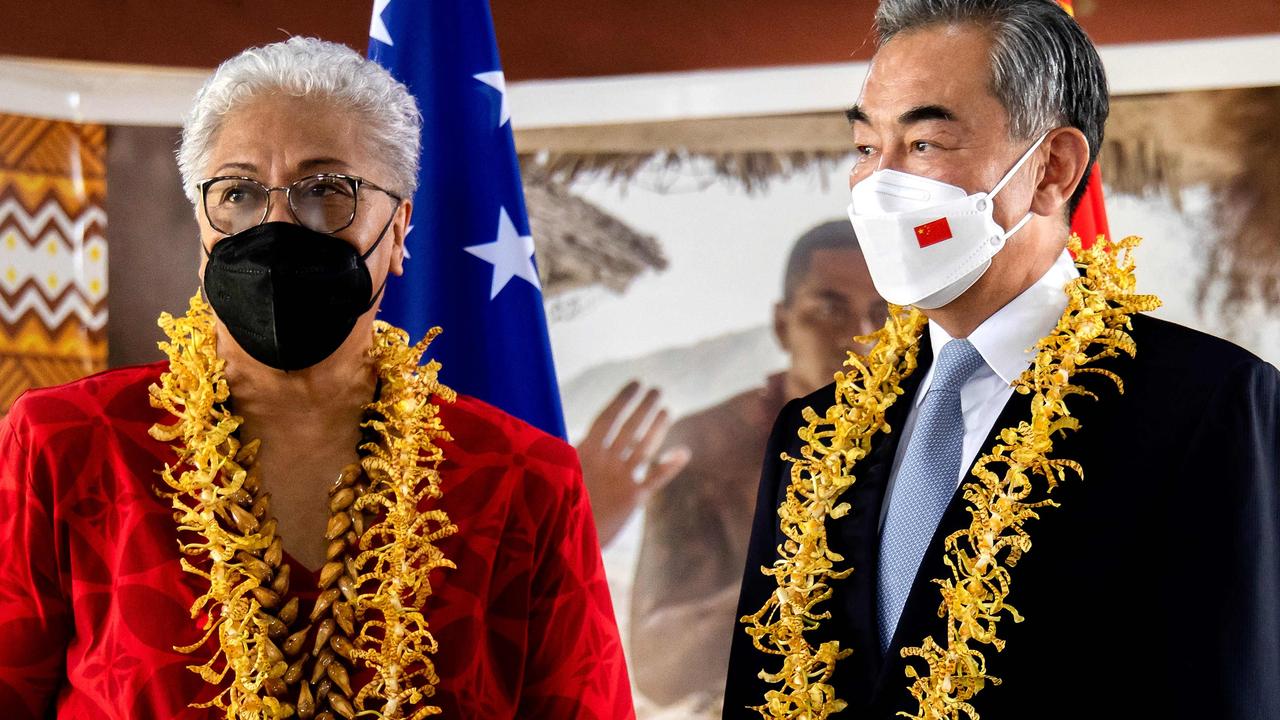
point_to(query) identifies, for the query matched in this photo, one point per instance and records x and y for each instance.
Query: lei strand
(213, 482)
(1093, 327)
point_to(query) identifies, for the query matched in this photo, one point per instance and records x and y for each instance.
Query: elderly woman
(291, 516)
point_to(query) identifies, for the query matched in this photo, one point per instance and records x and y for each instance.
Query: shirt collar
(1006, 339)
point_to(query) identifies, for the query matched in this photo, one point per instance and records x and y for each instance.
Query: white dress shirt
(1005, 340)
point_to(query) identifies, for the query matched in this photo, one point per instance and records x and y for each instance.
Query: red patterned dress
(93, 600)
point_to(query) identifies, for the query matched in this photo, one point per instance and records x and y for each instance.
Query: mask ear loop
(363, 258)
(1016, 167)
(1017, 226)
(1009, 176)
(208, 258)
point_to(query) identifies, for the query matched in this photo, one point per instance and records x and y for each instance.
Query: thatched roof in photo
(579, 244)
(748, 152)
(1223, 139)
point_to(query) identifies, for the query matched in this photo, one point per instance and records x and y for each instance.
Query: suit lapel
(856, 537)
(920, 613)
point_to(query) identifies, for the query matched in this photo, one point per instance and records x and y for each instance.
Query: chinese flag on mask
(932, 233)
(1090, 218)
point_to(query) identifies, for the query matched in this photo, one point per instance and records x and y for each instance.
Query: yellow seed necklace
(375, 581)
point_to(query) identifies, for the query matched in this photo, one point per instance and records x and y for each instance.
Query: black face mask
(289, 295)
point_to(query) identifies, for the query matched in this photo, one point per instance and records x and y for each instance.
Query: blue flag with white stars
(470, 266)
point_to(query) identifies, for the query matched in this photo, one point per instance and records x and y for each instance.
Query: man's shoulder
(1187, 365)
(1177, 346)
(790, 419)
(819, 400)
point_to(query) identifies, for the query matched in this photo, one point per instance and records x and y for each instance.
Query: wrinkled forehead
(286, 135)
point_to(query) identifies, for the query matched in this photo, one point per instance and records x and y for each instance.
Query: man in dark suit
(1153, 589)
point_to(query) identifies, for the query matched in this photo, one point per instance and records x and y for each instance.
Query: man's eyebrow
(855, 114)
(831, 294)
(926, 112)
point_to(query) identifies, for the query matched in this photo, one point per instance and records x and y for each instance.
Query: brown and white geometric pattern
(53, 253)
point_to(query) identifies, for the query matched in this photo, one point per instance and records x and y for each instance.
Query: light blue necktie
(925, 483)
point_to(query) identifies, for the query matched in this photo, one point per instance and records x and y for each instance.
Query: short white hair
(311, 68)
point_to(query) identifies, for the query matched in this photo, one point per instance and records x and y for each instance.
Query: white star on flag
(496, 80)
(377, 28)
(511, 255)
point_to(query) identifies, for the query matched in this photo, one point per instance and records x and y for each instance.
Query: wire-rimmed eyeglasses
(324, 203)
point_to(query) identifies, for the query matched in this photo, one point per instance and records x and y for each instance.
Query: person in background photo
(701, 474)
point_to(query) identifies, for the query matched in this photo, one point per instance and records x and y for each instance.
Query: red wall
(559, 38)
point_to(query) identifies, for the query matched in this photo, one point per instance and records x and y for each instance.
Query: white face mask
(926, 242)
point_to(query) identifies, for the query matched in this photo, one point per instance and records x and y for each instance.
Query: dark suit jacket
(1152, 592)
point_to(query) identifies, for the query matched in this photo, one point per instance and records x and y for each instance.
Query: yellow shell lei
(1093, 327)
(397, 553)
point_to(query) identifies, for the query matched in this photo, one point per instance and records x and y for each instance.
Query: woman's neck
(309, 424)
(325, 399)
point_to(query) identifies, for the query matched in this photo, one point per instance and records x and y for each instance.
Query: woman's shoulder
(85, 440)
(486, 436)
(477, 426)
(117, 396)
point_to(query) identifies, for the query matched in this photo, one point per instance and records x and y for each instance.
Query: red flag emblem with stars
(932, 233)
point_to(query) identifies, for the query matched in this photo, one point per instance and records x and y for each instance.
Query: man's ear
(781, 326)
(1067, 161)
(400, 231)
